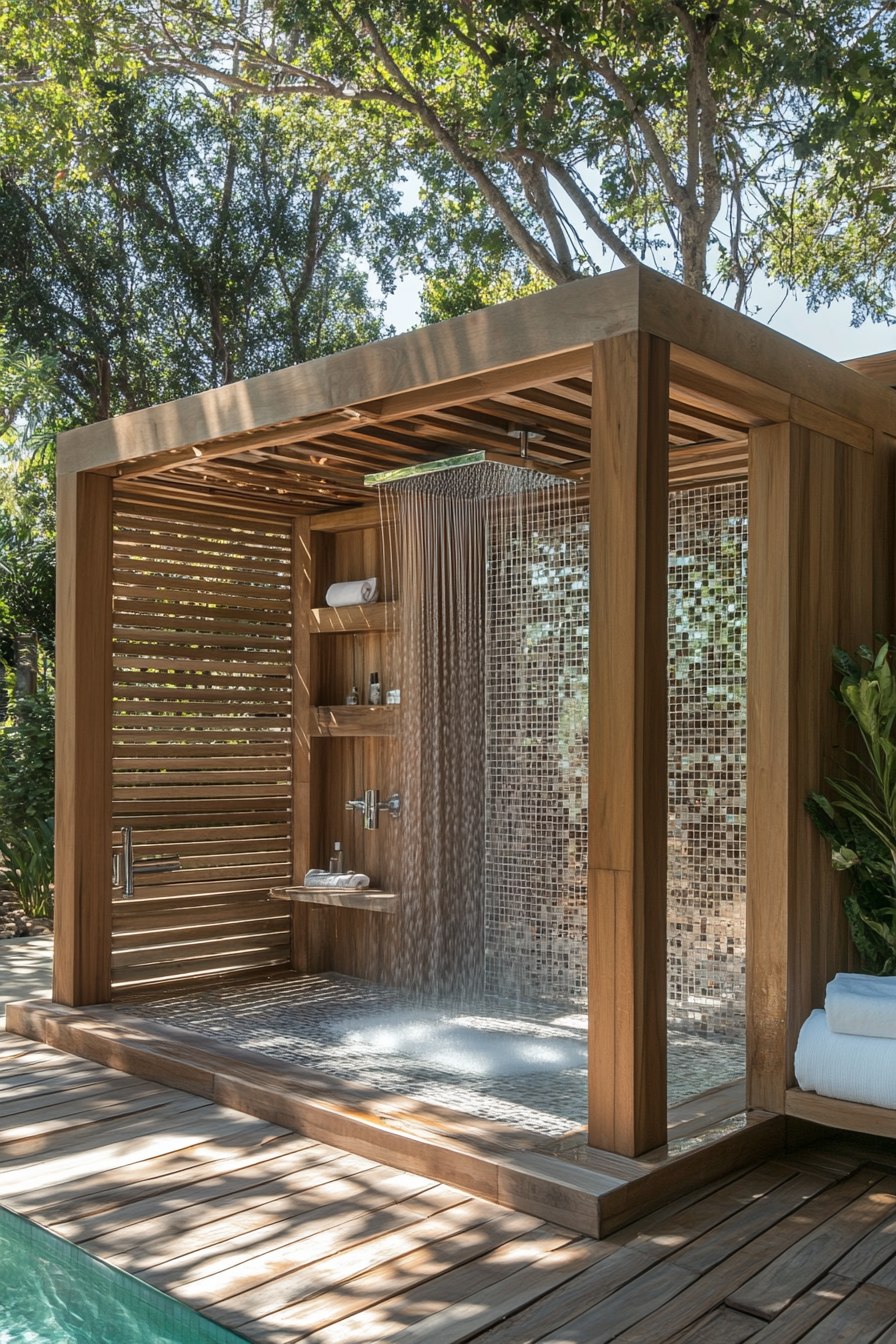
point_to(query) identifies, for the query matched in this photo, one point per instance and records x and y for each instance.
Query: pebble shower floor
(519, 1063)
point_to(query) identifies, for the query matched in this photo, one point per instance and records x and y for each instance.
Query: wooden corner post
(82, 954)
(627, 793)
(810, 586)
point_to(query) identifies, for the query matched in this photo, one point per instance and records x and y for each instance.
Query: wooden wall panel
(301, 735)
(811, 585)
(627, 754)
(203, 743)
(884, 534)
(81, 966)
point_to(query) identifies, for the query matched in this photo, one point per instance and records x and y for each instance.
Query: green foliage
(28, 860)
(27, 566)
(860, 822)
(669, 131)
(28, 395)
(450, 292)
(26, 765)
(216, 238)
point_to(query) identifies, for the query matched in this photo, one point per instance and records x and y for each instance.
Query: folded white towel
(851, 1068)
(353, 594)
(862, 1005)
(319, 877)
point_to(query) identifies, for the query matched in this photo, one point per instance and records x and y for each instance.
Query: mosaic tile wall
(537, 752)
(537, 765)
(707, 759)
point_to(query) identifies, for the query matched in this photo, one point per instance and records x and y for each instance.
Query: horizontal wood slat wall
(202, 739)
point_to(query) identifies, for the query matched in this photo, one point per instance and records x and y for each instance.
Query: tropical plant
(28, 860)
(26, 764)
(859, 822)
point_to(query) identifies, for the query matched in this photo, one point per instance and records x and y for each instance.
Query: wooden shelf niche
(350, 748)
(354, 720)
(372, 618)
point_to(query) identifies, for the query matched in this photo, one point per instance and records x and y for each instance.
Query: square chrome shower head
(484, 474)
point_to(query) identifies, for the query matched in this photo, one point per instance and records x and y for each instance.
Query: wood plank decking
(283, 1237)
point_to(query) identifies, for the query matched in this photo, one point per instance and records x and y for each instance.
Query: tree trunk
(693, 253)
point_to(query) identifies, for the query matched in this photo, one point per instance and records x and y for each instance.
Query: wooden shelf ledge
(839, 1114)
(344, 898)
(366, 619)
(354, 720)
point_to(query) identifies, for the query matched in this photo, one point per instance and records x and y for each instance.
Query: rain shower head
(484, 474)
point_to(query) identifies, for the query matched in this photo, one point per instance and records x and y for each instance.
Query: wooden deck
(283, 1238)
(584, 1189)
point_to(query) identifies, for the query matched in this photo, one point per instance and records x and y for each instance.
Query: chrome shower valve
(370, 808)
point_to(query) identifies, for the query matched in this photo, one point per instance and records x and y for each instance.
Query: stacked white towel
(848, 1049)
(862, 1005)
(357, 593)
(851, 1068)
(319, 877)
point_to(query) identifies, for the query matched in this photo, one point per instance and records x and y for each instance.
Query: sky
(827, 331)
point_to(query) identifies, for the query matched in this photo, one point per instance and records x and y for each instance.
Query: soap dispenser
(337, 858)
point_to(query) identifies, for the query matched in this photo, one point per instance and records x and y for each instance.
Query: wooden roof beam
(542, 341)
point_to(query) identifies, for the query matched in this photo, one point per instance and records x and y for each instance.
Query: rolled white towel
(851, 1068)
(862, 1005)
(319, 877)
(354, 594)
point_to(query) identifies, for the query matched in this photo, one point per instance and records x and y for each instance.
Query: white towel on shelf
(319, 877)
(851, 1068)
(862, 1005)
(354, 594)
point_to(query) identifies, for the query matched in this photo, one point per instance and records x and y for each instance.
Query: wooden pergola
(636, 385)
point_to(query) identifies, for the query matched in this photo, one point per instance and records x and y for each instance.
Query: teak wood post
(82, 954)
(627, 793)
(810, 586)
(301, 739)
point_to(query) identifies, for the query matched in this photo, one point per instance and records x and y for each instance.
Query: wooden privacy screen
(202, 730)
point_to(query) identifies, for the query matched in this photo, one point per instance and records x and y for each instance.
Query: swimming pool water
(52, 1292)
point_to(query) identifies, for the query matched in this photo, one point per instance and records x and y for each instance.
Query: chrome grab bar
(124, 865)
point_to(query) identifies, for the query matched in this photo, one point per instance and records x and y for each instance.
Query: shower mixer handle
(370, 808)
(124, 865)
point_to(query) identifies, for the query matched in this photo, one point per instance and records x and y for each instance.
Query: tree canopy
(712, 140)
(215, 239)
(693, 135)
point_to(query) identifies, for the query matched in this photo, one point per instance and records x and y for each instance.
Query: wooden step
(486, 1158)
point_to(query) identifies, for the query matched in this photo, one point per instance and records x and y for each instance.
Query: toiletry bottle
(352, 697)
(337, 858)
(375, 692)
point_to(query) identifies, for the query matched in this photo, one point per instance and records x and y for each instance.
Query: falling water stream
(468, 575)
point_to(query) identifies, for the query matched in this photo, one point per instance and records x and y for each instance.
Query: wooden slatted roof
(706, 438)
